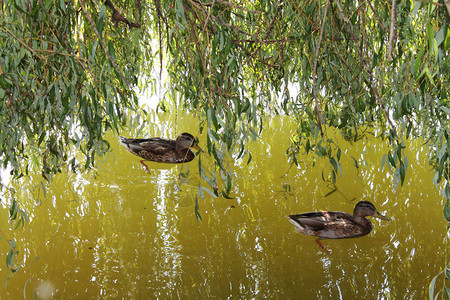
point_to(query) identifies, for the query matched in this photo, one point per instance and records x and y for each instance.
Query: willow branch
(232, 5)
(376, 15)
(316, 58)
(367, 68)
(103, 44)
(20, 41)
(447, 5)
(393, 29)
(117, 17)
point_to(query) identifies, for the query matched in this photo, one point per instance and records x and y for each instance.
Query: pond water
(123, 233)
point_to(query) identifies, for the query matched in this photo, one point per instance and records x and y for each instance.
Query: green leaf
(418, 61)
(308, 146)
(392, 160)
(100, 20)
(447, 210)
(228, 184)
(445, 110)
(13, 210)
(416, 8)
(397, 177)
(210, 192)
(431, 286)
(334, 164)
(383, 162)
(197, 213)
(447, 192)
(447, 41)
(200, 192)
(225, 195)
(10, 258)
(330, 192)
(402, 172)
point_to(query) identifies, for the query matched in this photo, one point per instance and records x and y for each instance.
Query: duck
(162, 150)
(337, 224)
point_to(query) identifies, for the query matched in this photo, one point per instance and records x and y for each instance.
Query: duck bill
(197, 147)
(380, 216)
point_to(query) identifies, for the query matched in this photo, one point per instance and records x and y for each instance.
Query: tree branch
(118, 17)
(393, 30)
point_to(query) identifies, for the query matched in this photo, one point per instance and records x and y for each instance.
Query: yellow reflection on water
(121, 232)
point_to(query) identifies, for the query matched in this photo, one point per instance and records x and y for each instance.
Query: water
(122, 233)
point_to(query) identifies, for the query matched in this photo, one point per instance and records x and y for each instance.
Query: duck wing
(157, 146)
(328, 224)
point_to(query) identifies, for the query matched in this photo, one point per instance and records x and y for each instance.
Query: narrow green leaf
(200, 192)
(210, 192)
(447, 211)
(197, 213)
(392, 160)
(225, 195)
(334, 164)
(397, 177)
(431, 286)
(447, 292)
(100, 20)
(330, 192)
(383, 162)
(10, 258)
(308, 146)
(355, 162)
(402, 172)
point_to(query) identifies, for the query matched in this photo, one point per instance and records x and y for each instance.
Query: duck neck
(363, 221)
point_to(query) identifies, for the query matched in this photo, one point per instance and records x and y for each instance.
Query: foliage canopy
(69, 71)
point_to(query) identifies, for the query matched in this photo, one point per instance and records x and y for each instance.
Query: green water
(123, 233)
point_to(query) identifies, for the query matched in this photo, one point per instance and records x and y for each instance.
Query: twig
(103, 45)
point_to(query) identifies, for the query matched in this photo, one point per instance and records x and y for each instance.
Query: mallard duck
(337, 224)
(162, 150)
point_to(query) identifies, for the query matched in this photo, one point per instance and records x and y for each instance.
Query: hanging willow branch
(393, 30)
(111, 60)
(320, 118)
(367, 68)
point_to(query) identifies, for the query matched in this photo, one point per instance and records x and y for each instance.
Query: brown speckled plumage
(162, 150)
(337, 224)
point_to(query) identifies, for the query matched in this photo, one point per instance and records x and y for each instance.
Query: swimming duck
(337, 224)
(162, 150)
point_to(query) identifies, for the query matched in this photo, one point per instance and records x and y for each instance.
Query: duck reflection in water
(162, 150)
(337, 224)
